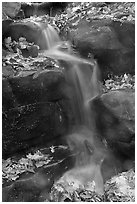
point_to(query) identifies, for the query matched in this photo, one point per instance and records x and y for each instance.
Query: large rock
(39, 33)
(30, 30)
(114, 114)
(19, 91)
(34, 110)
(27, 189)
(111, 42)
(5, 25)
(10, 9)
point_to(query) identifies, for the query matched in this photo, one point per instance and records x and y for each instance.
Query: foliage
(12, 168)
(23, 66)
(60, 194)
(125, 81)
(121, 11)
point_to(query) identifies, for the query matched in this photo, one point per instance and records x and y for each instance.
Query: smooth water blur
(82, 74)
(51, 36)
(56, 53)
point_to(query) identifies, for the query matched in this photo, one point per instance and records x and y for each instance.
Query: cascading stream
(51, 36)
(82, 74)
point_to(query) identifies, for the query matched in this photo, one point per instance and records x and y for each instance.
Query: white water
(83, 142)
(51, 36)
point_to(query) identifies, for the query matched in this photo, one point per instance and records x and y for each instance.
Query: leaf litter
(12, 168)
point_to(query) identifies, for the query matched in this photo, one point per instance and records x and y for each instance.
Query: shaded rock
(27, 189)
(114, 114)
(29, 9)
(30, 51)
(32, 31)
(28, 90)
(20, 15)
(39, 33)
(33, 51)
(36, 186)
(4, 52)
(31, 125)
(10, 9)
(25, 53)
(122, 104)
(34, 111)
(7, 70)
(5, 24)
(111, 42)
(39, 9)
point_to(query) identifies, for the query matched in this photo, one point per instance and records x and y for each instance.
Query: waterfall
(83, 141)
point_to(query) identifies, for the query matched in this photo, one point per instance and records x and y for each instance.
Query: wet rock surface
(115, 120)
(38, 178)
(27, 89)
(27, 29)
(111, 42)
(33, 109)
(31, 125)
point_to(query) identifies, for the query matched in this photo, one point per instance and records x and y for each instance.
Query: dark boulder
(34, 110)
(32, 31)
(27, 189)
(39, 33)
(114, 114)
(20, 15)
(28, 9)
(32, 125)
(5, 25)
(29, 90)
(33, 51)
(111, 42)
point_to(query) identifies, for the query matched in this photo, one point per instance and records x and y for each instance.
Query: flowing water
(82, 74)
(51, 36)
